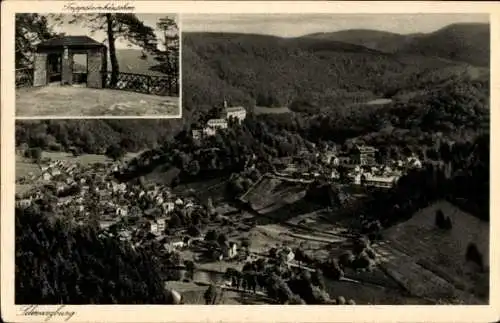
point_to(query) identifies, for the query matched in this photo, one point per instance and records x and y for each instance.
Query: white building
(161, 223)
(154, 228)
(197, 134)
(213, 125)
(168, 207)
(376, 181)
(230, 250)
(414, 162)
(217, 123)
(238, 113)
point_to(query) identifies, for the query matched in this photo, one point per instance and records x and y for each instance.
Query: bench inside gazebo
(55, 62)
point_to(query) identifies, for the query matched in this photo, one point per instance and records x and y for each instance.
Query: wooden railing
(24, 77)
(148, 84)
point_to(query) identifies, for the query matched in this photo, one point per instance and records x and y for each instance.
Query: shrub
(474, 255)
(362, 261)
(361, 244)
(341, 300)
(296, 300)
(439, 218)
(443, 221)
(370, 253)
(447, 223)
(346, 259)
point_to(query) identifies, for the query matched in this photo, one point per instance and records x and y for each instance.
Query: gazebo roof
(70, 42)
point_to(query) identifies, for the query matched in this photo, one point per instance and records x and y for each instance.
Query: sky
(294, 25)
(81, 29)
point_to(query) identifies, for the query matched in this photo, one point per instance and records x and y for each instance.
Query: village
(202, 240)
(360, 161)
(135, 213)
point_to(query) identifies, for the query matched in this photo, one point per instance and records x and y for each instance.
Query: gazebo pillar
(94, 69)
(40, 69)
(67, 67)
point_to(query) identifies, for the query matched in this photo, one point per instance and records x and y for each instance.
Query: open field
(266, 110)
(270, 194)
(192, 293)
(378, 102)
(431, 262)
(80, 101)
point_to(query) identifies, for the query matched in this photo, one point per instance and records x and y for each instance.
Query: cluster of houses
(236, 113)
(361, 165)
(128, 212)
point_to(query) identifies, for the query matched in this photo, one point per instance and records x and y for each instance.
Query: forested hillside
(271, 71)
(461, 42)
(94, 136)
(58, 262)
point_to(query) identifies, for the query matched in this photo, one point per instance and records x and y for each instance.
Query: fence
(24, 77)
(149, 84)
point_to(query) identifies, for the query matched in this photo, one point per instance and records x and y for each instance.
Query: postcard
(239, 161)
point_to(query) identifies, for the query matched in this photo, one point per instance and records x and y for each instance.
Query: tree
(193, 168)
(474, 255)
(30, 29)
(169, 56)
(190, 267)
(210, 295)
(115, 152)
(211, 235)
(210, 207)
(318, 279)
(245, 243)
(35, 154)
(125, 26)
(442, 221)
(222, 239)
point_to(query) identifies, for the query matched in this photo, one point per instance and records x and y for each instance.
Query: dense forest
(58, 262)
(271, 71)
(95, 136)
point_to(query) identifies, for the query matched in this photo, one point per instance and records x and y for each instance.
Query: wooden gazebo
(54, 61)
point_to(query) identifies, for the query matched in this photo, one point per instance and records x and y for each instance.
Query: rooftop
(383, 179)
(70, 41)
(366, 148)
(235, 109)
(216, 121)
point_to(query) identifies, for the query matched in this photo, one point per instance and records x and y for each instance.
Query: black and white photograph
(321, 159)
(105, 64)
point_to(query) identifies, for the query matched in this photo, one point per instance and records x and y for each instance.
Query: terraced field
(270, 194)
(430, 262)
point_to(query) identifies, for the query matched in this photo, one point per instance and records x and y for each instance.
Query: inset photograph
(97, 65)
